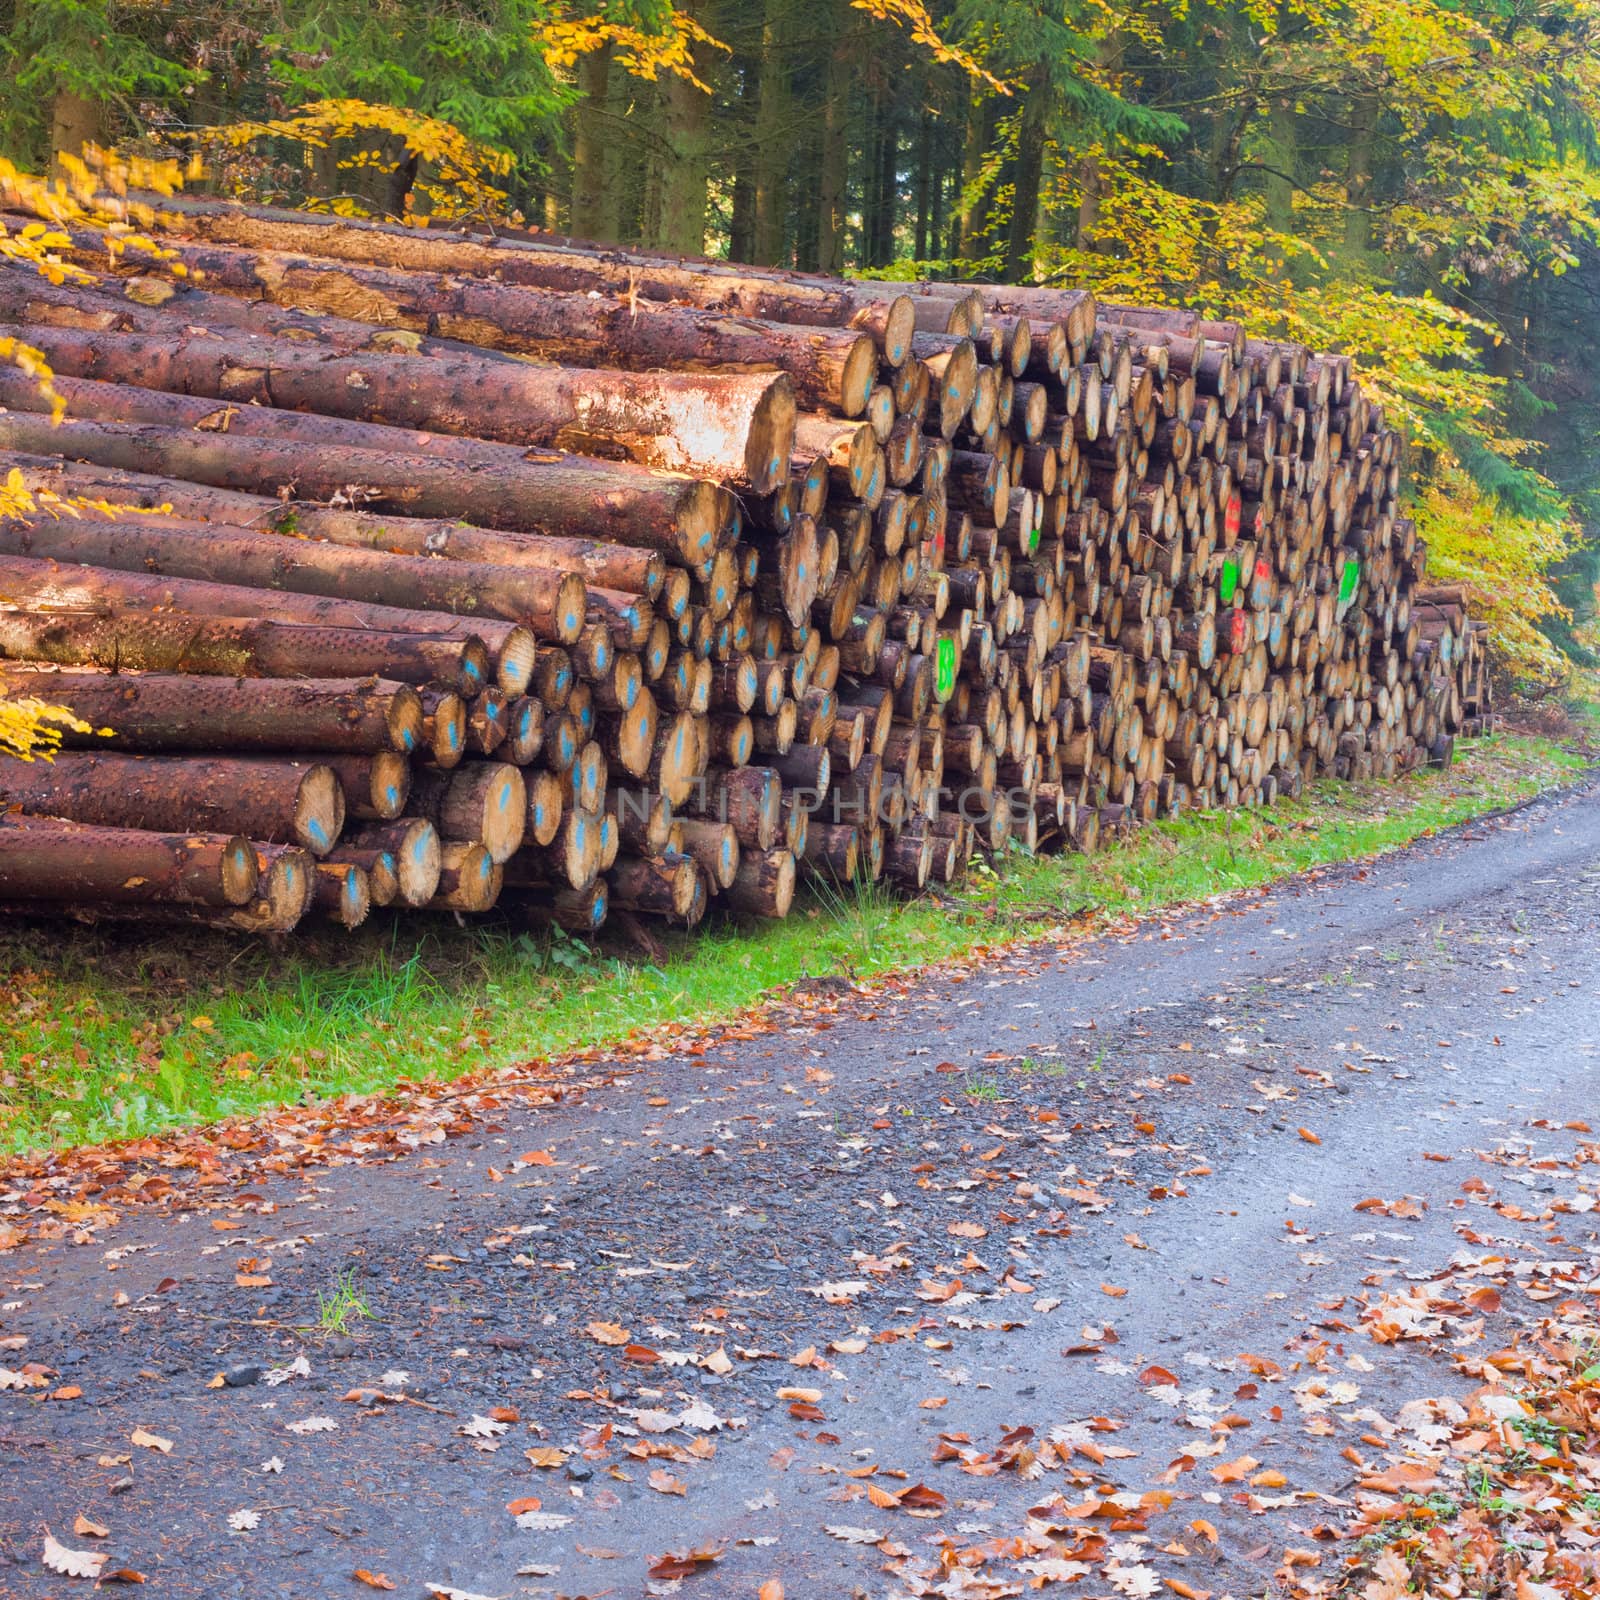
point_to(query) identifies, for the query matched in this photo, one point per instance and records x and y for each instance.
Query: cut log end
(770, 440)
(318, 816)
(858, 377)
(514, 662)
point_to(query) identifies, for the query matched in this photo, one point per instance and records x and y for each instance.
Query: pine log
(267, 799)
(499, 487)
(58, 861)
(831, 368)
(548, 602)
(413, 845)
(735, 427)
(814, 301)
(610, 566)
(162, 711)
(239, 647)
(92, 591)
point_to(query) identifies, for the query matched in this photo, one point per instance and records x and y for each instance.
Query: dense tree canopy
(1415, 181)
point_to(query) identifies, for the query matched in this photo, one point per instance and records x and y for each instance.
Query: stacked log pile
(435, 570)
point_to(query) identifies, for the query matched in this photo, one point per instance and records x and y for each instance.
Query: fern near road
(1021, 1195)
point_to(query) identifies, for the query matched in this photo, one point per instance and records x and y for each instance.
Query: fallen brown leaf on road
(373, 1580)
(71, 1563)
(682, 1563)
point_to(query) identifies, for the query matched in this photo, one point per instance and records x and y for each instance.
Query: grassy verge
(105, 1034)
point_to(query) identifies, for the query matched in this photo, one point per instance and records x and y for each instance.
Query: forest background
(1416, 182)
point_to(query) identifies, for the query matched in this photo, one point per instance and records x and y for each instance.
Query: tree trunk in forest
(1090, 183)
(885, 187)
(1358, 177)
(833, 175)
(772, 137)
(74, 123)
(586, 214)
(1029, 173)
(974, 207)
(925, 178)
(399, 182)
(1280, 163)
(681, 173)
(742, 210)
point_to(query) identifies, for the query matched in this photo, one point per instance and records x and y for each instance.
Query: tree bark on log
(491, 484)
(282, 802)
(736, 427)
(53, 860)
(832, 367)
(161, 711)
(812, 301)
(549, 604)
(239, 648)
(95, 591)
(610, 566)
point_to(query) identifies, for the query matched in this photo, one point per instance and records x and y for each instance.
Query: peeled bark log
(735, 427)
(56, 861)
(274, 800)
(160, 711)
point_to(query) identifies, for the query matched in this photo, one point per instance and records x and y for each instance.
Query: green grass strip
(110, 1033)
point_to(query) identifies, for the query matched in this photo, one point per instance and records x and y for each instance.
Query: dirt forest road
(789, 1309)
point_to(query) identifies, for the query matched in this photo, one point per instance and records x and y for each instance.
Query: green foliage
(479, 67)
(108, 54)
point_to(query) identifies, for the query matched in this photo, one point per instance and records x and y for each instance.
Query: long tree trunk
(477, 307)
(683, 166)
(586, 213)
(736, 427)
(263, 797)
(773, 133)
(97, 592)
(52, 860)
(1282, 153)
(926, 227)
(742, 206)
(1028, 175)
(74, 122)
(551, 603)
(237, 648)
(603, 564)
(974, 207)
(1364, 111)
(680, 517)
(154, 711)
(886, 188)
(833, 174)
